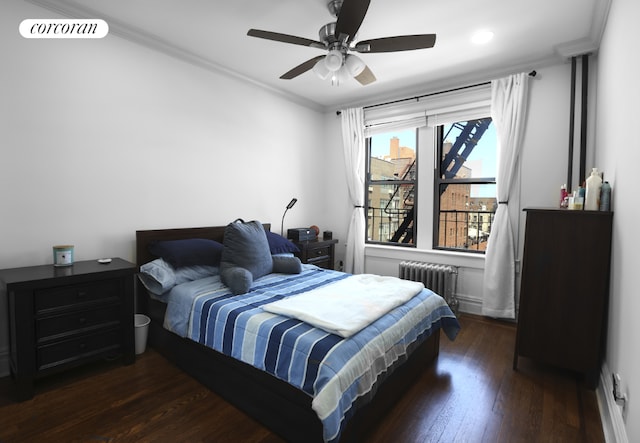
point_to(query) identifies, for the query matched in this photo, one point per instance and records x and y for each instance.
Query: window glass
(391, 187)
(465, 190)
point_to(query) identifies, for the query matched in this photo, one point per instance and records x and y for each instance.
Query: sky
(481, 167)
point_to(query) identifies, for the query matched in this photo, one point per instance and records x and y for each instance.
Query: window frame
(438, 181)
(395, 183)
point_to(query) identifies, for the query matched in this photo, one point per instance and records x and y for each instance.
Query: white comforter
(347, 306)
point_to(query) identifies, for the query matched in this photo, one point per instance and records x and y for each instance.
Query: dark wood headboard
(144, 238)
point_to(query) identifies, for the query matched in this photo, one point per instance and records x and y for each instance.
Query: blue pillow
(245, 246)
(280, 245)
(188, 252)
(286, 265)
(195, 272)
(238, 279)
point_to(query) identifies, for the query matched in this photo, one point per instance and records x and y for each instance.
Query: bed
(279, 404)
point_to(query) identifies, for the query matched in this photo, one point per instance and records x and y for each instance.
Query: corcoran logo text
(63, 28)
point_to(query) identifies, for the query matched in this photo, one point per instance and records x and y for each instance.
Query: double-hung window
(430, 177)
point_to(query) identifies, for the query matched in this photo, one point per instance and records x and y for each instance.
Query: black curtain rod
(418, 97)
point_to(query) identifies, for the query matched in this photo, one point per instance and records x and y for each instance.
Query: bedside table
(321, 253)
(60, 317)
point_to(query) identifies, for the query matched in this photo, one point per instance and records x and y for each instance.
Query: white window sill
(453, 258)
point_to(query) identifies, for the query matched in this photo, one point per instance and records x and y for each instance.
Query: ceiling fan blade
(350, 18)
(301, 68)
(365, 77)
(397, 43)
(285, 38)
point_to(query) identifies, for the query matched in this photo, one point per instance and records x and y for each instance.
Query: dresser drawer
(98, 291)
(67, 351)
(58, 325)
(65, 317)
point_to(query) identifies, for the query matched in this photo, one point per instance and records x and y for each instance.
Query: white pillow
(158, 276)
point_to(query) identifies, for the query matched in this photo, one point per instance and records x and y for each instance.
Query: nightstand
(321, 253)
(61, 317)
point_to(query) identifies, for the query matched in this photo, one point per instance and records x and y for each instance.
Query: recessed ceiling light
(482, 37)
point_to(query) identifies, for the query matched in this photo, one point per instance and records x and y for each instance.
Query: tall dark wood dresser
(564, 290)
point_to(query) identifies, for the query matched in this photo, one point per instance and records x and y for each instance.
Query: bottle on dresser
(605, 197)
(592, 197)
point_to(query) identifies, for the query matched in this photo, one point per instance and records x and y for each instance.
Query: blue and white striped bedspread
(333, 370)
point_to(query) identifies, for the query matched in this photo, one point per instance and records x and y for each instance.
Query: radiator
(441, 279)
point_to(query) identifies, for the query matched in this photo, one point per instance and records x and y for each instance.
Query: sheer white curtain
(354, 159)
(508, 110)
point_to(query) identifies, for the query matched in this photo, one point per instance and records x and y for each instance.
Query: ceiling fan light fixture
(354, 65)
(333, 60)
(339, 38)
(321, 70)
(340, 76)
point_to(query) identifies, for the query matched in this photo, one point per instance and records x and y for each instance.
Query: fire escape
(470, 133)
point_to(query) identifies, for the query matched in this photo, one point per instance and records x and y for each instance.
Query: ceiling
(212, 33)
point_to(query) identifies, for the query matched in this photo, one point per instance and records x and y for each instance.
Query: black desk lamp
(289, 206)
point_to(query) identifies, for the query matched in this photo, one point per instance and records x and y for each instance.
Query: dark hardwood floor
(470, 395)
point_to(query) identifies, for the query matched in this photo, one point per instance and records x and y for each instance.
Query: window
(391, 181)
(409, 201)
(465, 185)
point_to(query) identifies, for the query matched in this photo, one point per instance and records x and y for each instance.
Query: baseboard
(611, 414)
(469, 305)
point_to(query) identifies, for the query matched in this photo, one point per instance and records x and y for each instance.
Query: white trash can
(141, 323)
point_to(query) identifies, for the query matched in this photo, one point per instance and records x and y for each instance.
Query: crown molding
(479, 76)
(590, 44)
(577, 47)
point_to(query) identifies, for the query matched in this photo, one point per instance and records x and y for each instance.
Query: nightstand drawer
(48, 328)
(319, 252)
(321, 262)
(98, 291)
(66, 351)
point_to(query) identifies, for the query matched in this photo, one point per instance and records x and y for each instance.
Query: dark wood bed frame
(274, 403)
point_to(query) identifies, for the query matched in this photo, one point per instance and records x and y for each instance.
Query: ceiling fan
(338, 38)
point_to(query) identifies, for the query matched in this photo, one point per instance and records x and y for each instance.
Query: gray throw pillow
(286, 264)
(238, 279)
(245, 246)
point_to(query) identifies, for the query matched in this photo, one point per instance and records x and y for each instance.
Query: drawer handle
(82, 294)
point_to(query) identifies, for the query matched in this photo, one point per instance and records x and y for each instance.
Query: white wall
(100, 138)
(547, 137)
(618, 154)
